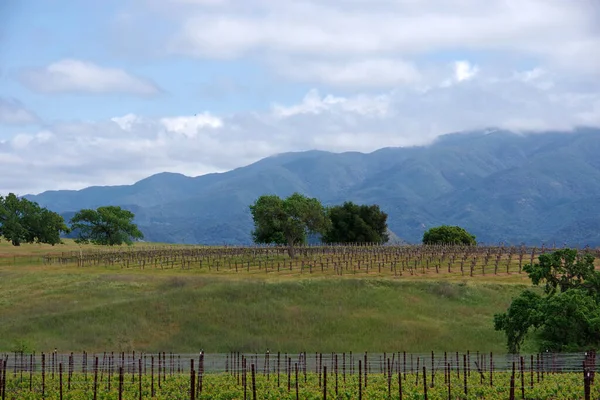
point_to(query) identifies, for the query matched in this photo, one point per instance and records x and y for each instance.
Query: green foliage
(567, 318)
(24, 221)
(446, 234)
(287, 221)
(109, 225)
(352, 223)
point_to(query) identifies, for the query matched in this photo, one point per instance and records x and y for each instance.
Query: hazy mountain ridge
(501, 186)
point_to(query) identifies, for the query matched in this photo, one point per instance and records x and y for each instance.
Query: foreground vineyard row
(299, 376)
(353, 259)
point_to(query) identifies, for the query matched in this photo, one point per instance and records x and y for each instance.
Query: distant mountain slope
(502, 186)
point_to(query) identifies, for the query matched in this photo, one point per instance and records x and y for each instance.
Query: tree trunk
(291, 250)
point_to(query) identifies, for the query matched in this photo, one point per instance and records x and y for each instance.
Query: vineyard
(298, 376)
(336, 259)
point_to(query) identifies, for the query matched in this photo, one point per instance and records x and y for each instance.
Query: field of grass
(96, 308)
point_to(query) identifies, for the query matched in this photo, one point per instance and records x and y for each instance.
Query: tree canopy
(24, 221)
(352, 223)
(108, 225)
(567, 316)
(446, 234)
(287, 221)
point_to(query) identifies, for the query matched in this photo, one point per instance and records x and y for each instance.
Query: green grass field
(43, 307)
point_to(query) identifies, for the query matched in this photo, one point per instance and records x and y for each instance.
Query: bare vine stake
(400, 383)
(389, 378)
(152, 378)
(60, 370)
(449, 383)
(325, 382)
(296, 382)
(425, 381)
(491, 369)
(95, 377)
(253, 383)
(289, 372)
(121, 383)
(464, 372)
(192, 380)
(531, 372)
(522, 378)
(359, 379)
(30, 372)
(140, 378)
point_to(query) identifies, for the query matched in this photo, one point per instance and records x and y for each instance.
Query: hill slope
(501, 186)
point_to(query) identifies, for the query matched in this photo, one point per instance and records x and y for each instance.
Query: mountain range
(501, 186)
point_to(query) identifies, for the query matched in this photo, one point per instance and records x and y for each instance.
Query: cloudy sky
(109, 92)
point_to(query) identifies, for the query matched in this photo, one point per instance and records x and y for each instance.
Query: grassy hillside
(99, 308)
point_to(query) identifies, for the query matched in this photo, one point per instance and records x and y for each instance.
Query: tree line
(25, 221)
(291, 220)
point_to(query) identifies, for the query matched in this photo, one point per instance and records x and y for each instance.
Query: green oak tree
(108, 225)
(353, 223)
(287, 221)
(446, 234)
(566, 317)
(24, 221)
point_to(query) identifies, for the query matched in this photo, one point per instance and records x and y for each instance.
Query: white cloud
(73, 154)
(313, 103)
(324, 38)
(190, 126)
(374, 73)
(464, 71)
(14, 112)
(70, 75)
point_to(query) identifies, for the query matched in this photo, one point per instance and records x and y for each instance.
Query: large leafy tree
(566, 317)
(353, 223)
(287, 221)
(24, 221)
(446, 234)
(108, 225)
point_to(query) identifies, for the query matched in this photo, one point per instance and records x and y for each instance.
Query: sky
(110, 92)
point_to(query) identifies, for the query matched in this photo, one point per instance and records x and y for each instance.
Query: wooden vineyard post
(359, 379)
(95, 378)
(289, 372)
(121, 383)
(344, 367)
(152, 377)
(432, 369)
(325, 382)
(512, 383)
(30, 372)
(296, 381)
(522, 377)
(449, 383)
(400, 380)
(253, 383)
(336, 375)
(389, 378)
(491, 369)
(465, 374)
(278, 367)
(366, 368)
(60, 370)
(425, 381)
(586, 382)
(192, 380)
(140, 378)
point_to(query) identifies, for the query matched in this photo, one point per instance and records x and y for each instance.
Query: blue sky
(109, 92)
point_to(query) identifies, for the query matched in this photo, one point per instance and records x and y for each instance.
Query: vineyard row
(163, 375)
(396, 260)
